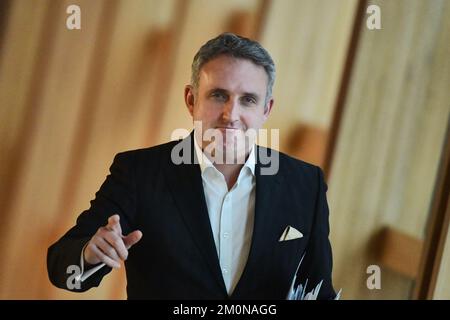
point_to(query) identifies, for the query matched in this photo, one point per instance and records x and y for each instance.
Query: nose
(231, 111)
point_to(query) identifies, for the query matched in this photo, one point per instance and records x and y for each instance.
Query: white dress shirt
(231, 214)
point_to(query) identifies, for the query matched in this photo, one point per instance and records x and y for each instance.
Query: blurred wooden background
(71, 99)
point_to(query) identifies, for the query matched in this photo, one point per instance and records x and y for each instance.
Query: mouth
(227, 128)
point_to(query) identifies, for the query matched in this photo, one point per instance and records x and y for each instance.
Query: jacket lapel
(186, 185)
(268, 191)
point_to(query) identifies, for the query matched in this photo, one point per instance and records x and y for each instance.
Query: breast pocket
(288, 251)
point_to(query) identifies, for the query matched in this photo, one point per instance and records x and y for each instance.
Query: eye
(219, 96)
(248, 100)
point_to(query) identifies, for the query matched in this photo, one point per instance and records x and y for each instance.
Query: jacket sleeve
(317, 263)
(117, 195)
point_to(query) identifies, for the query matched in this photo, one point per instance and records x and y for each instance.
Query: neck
(230, 172)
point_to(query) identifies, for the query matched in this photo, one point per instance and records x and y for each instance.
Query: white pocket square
(290, 233)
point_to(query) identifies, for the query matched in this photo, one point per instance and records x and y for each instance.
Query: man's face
(230, 98)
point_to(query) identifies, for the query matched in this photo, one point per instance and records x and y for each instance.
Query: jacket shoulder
(297, 163)
(146, 154)
(288, 162)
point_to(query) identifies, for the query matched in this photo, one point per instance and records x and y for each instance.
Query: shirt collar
(204, 161)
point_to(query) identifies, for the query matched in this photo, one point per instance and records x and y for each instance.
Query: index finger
(114, 224)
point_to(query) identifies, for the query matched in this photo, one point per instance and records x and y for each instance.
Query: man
(214, 225)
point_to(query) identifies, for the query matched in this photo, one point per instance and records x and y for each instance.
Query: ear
(189, 98)
(268, 108)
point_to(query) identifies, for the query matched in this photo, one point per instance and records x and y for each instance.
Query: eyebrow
(217, 90)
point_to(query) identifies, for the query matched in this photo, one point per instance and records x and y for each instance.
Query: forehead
(234, 74)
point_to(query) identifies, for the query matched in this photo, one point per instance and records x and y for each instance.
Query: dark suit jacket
(176, 257)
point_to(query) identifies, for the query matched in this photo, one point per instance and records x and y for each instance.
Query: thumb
(132, 238)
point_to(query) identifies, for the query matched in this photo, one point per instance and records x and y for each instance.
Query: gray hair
(237, 47)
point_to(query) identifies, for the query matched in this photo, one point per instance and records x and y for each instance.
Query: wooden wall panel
(60, 71)
(391, 138)
(308, 41)
(442, 291)
(17, 63)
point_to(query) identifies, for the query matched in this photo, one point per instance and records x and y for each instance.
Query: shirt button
(225, 235)
(225, 270)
